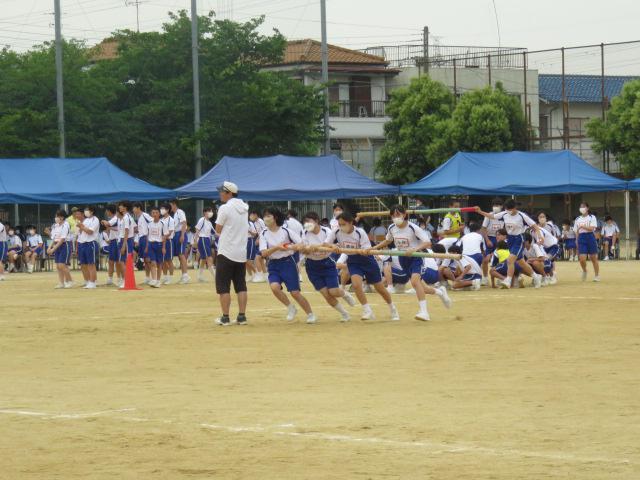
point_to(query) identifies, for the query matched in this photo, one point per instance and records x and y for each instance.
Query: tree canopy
(137, 108)
(620, 132)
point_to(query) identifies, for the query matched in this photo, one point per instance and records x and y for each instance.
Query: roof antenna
(495, 12)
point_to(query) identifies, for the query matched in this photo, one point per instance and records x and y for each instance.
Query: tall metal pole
(325, 75)
(527, 117)
(196, 94)
(425, 49)
(59, 82)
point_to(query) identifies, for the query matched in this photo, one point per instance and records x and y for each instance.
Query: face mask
(398, 221)
(32, 232)
(11, 233)
(584, 210)
(59, 220)
(269, 221)
(346, 228)
(337, 213)
(208, 214)
(497, 209)
(87, 213)
(309, 226)
(163, 211)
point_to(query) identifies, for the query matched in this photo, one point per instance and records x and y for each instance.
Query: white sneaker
(605, 259)
(311, 318)
(154, 283)
(68, 285)
(391, 289)
(1, 278)
(395, 316)
(201, 279)
(109, 282)
(367, 288)
(553, 280)
(504, 284)
(537, 280)
(29, 268)
(596, 278)
(259, 278)
(146, 281)
(184, 279)
(90, 286)
(411, 291)
(446, 300)
(345, 317)
(584, 276)
(291, 312)
(349, 299)
(59, 286)
(545, 281)
(121, 284)
(166, 281)
(422, 316)
(367, 314)
(484, 281)
(475, 284)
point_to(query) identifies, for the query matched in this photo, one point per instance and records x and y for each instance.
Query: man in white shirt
(88, 249)
(232, 226)
(180, 239)
(610, 232)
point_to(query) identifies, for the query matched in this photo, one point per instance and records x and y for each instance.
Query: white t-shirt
(204, 227)
(448, 242)
(534, 251)
(320, 238)
(269, 239)
(254, 230)
(293, 225)
(465, 261)
(334, 224)
(114, 225)
(155, 231)
(568, 234)
(93, 224)
(472, 243)
(356, 239)
(143, 224)
(548, 239)
(168, 226)
(492, 226)
(233, 216)
(60, 231)
(584, 221)
(126, 223)
(34, 240)
(410, 236)
(515, 224)
(3, 233)
(179, 217)
(610, 230)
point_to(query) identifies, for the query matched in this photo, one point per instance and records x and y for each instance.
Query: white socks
(423, 305)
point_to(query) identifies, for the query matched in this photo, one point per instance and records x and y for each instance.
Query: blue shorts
(548, 266)
(214, 243)
(430, 276)
(114, 251)
(515, 243)
(168, 255)
(129, 248)
(142, 247)
(587, 244)
(477, 257)
(469, 277)
(154, 252)
(204, 247)
(104, 250)
(570, 244)
(398, 276)
(37, 251)
(365, 267)
(63, 253)
(411, 265)
(501, 268)
(252, 248)
(490, 249)
(3, 251)
(88, 253)
(179, 247)
(553, 251)
(322, 273)
(18, 251)
(284, 270)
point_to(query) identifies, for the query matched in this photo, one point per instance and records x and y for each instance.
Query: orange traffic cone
(129, 275)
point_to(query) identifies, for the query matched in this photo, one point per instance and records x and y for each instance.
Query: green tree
(417, 134)
(620, 133)
(488, 120)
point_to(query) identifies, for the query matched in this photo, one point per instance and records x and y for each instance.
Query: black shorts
(228, 271)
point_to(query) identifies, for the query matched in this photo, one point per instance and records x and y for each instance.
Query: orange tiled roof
(105, 50)
(308, 51)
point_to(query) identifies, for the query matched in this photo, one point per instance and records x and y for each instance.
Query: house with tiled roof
(358, 94)
(584, 97)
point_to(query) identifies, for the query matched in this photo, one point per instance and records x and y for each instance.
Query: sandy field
(520, 384)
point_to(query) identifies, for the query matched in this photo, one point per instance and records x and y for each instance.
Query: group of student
(501, 251)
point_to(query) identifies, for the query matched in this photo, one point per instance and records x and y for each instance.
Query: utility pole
(325, 75)
(196, 94)
(425, 50)
(135, 3)
(59, 85)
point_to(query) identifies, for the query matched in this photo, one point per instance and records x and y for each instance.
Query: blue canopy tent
(284, 178)
(634, 185)
(71, 180)
(514, 173)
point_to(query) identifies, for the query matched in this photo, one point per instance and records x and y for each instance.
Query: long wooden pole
(393, 253)
(387, 213)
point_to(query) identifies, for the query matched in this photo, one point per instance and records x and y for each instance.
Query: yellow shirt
(456, 220)
(71, 220)
(502, 254)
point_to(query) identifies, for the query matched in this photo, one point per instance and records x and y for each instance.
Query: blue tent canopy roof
(514, 173)
(283, 177)
(71, 180)
(634, 185)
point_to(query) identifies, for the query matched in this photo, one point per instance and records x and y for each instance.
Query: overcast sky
(359, 23)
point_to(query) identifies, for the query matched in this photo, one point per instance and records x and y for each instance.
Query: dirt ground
(521, 384)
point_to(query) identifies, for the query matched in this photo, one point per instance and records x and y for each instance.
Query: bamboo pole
(387, 213)
(393, 253)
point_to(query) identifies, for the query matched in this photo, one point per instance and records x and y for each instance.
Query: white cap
(228, 187)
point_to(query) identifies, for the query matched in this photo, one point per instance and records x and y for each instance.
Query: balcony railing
(358, 109)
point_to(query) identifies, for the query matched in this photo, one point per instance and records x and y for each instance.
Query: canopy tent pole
(626, 221)
(16, 214)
